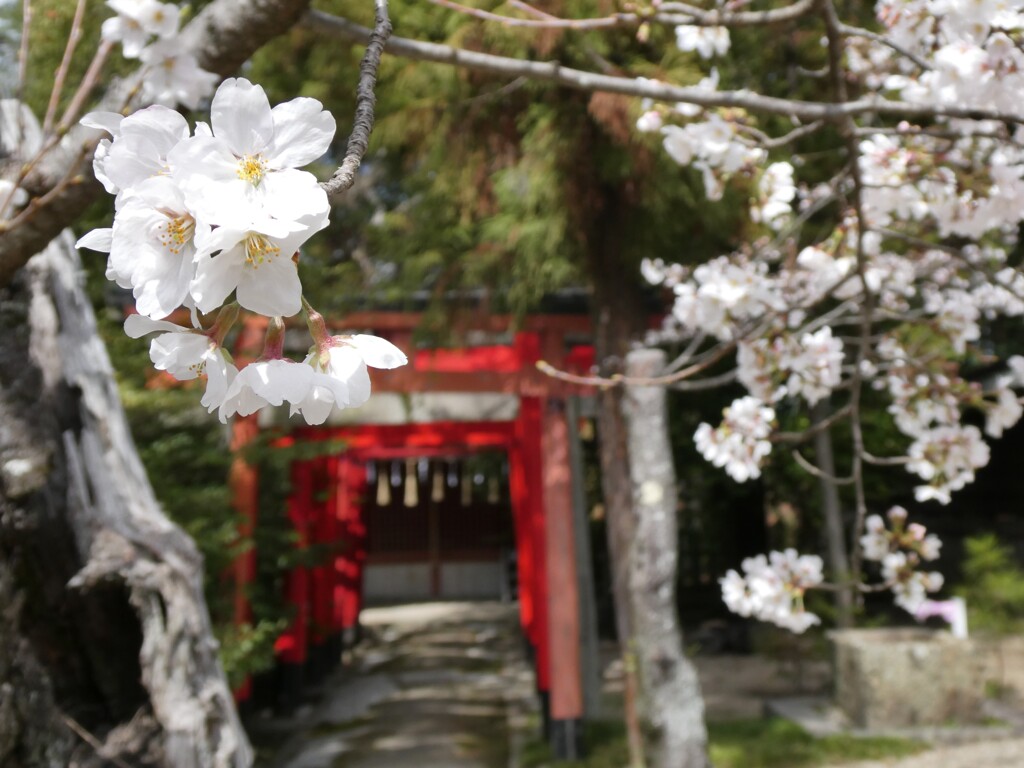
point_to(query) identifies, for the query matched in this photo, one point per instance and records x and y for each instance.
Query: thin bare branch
(26, 27)
(717, 18)
(669, 14)
(821, 426)
(711, 382)
(93, 742)
(85, 88)
(74, 35)
(884, 461)
(817, 471)
(581, 80)
(848, 31)
(366, 100)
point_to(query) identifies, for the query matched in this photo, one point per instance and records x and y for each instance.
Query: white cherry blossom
(136, 21)
(252, 255)
(253, 152)
(186, 353)
(739, 444)
(266, 382)
(152, 246)
(772, 588)
(342, 378)
(173, 75)
(706, 41)
(139, 146)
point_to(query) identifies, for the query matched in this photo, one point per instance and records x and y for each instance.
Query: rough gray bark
(99, 590)
(671, 705)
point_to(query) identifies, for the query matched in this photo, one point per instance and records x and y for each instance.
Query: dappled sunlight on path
(432, 686)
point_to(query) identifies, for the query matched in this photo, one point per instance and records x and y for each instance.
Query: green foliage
(479, 186)
(993, 587)
(187, 457)
(762, 743)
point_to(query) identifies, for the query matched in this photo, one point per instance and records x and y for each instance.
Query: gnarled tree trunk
(106, 646)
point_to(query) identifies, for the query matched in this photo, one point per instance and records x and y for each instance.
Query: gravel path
(1007, 753)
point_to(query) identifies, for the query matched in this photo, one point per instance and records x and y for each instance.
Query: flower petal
(241, 116)
(303, 131)
(137, 326)
(216, 277)
(98, 240)
(272, 288)
(377, 352)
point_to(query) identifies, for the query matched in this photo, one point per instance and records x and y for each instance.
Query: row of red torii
(325, 503)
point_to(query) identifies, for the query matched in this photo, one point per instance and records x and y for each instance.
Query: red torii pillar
(545, 494)
(323, 652)
(349, 488)
(292, 645)
(243, 481)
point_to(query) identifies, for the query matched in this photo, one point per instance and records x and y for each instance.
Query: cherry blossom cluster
(901, 549)
(772, 588)
(740, 443)
(900, 294)
(171, 75)
(223, 211)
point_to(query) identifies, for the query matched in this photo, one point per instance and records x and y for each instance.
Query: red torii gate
(325, 505)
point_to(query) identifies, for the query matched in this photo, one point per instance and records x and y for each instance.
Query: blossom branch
(222, 36)
(581, 80)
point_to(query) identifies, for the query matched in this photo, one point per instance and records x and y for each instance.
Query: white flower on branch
(772, 588)
(946, 457)
(152, 249)
(139, 145)
(739, 444)
(776, 192)
(706, 41)
(252, 254)
(136, 21)
(341, 375)
(173, 75)
(253, 153)
(187, 353)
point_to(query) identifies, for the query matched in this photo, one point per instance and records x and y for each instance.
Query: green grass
(766, 743)
(778, 743)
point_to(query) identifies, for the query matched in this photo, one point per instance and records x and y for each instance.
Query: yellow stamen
(252, 168)
(259, 249)
(176, 233)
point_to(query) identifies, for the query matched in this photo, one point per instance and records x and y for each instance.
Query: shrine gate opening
(451, 404)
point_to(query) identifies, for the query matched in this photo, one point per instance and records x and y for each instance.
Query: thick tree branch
(222, 37)
(366, 100)
(581, 80)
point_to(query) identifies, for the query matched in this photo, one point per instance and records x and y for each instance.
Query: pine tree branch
(366, 100)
